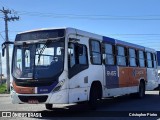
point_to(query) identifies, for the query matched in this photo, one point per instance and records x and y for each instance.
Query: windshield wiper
(49, 41)
(43, 48)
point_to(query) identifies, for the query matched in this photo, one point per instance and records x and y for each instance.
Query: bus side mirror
(4, 46)
(3, 49)
(3, 52)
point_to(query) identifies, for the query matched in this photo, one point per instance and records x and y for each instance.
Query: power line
(91, 17)
(3, 5)
(135, 34)
(145, 42)
(82, 15)
(2, 37)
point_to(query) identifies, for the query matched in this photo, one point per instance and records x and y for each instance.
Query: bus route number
(111, 73)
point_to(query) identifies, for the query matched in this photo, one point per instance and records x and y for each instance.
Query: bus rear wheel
(49, 106)
(141, 92)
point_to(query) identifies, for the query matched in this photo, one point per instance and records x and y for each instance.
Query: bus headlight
(58, 86)
(12, 89)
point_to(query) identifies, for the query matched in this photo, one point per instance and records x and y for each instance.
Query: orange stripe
(130, 76)
(23, 90)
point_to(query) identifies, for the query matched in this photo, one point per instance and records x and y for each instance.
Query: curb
(4, 95)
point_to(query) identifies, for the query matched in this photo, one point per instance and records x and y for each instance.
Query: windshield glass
(39, 60)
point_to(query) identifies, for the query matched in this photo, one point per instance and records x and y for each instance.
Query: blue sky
(75, 13)
(135, 21)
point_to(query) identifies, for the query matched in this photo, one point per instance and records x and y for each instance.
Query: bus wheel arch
(95, 93)
(49, 106)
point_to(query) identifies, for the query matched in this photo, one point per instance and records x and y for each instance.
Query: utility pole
(7, 19)
(0, 69)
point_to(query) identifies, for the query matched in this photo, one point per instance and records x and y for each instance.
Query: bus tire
(95, 93)
(141, 92)
(49, 106)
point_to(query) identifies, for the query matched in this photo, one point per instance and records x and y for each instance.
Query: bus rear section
(125, 70)
(152, 69)
(158, 60)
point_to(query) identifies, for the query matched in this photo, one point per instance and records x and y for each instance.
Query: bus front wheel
(95, 93)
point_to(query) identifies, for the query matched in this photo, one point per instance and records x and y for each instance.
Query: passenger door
(77, 68)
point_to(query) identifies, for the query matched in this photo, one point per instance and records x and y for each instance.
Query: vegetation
(3, 88)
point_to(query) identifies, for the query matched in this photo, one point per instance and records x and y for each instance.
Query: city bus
(68, 65)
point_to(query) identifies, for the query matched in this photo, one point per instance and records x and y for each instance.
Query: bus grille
(39, 98)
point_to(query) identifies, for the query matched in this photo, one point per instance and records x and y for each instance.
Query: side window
(154, 61)
(121, 56)
(77, 54)
(77, 58)
(132, 57)
(95, 51)
(83, 56)
(141, 59)
(109, 54)
(71, 55)
(149, 60)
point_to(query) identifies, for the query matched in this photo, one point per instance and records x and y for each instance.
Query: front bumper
(59, 97)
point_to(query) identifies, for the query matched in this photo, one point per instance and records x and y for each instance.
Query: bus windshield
(40, 60)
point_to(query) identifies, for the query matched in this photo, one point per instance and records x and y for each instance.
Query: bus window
(121, 56)
(19, 59)
(154, 61)
(109, 54)
(149, 60)
(95, 51)
(71, 53)
(141, 59)
(27, 58)
(59, 51)
(77, 58)
(83, 56)
(44, 58)
(132, 57)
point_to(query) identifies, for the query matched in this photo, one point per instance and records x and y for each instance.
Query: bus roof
(109, 40)
(41, 29)
(127, 44)
(96, 36)
(150, 50)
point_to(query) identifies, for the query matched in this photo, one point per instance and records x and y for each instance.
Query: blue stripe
(111, 76)
(108, 40)
(46, 89)
(119, 42)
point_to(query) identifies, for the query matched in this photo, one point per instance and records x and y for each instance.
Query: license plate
(33, 101)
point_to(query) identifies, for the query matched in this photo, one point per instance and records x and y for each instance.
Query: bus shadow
(106, 107)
